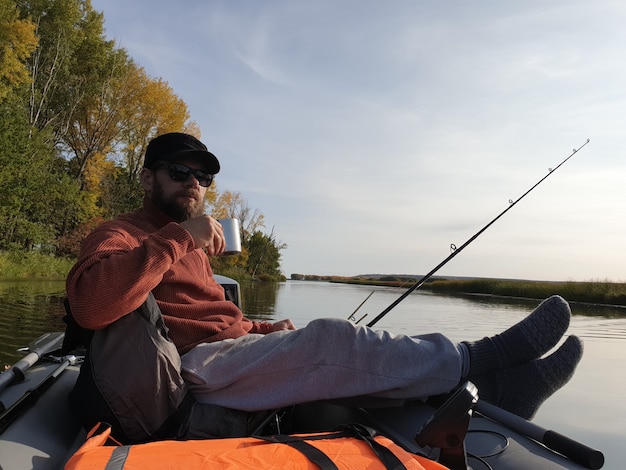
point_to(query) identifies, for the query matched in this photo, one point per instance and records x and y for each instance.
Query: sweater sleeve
(117, 269)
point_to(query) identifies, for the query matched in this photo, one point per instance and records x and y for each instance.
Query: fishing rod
(456, 251)
(352, 318)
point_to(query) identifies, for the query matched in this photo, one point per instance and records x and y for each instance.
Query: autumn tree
(76, 117)
(95, 126)
(97, 105)
(17, 42)
(67, 66)
(28, 164)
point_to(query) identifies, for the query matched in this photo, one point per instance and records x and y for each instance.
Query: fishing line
(456, 250)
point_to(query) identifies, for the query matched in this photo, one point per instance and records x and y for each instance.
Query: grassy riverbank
(38, 265)
(32, 265)
(594, 292)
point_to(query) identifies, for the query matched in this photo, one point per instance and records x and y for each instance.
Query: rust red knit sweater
(124, 259)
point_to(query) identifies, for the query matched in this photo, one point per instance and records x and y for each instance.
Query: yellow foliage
(148, 107)
(17, 42)
(96, 169)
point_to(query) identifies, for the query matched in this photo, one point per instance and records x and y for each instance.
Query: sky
(374, 134)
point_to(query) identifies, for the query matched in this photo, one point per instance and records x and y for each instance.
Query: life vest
(354, 447)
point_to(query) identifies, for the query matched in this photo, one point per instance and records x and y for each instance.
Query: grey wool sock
(529, 339)
(522, 389)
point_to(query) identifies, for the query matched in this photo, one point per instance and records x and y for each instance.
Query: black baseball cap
(177, 145)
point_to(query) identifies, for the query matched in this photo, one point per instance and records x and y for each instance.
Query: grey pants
(327, 359)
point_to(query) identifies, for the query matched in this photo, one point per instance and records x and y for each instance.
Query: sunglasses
(181, 173)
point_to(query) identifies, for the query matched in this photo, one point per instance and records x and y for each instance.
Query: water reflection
(259, 299)
(27, 310)
(578, 308)
(596, 310)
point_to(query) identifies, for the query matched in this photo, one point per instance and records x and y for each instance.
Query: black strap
(311, 452)
(385, 455)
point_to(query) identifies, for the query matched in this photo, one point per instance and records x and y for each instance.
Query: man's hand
(283, 325)
(207, 233)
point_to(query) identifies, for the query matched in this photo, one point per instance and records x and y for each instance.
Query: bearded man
(230, 361)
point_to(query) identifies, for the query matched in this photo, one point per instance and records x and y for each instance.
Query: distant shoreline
(590, 292)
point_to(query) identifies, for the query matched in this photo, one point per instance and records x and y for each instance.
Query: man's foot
(522, 389)
(525, 341)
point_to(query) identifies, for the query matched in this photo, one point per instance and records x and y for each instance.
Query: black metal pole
(456, 251)
(574, 450)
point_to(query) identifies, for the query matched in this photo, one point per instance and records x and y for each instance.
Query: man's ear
(147, 179)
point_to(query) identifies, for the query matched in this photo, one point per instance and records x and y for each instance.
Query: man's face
(181, 200)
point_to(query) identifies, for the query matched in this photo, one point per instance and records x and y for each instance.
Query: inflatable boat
(459, 431)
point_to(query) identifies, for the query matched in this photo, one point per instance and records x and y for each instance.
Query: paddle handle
(574, 450)
(580, 453)
(42, 345)
(16, 373)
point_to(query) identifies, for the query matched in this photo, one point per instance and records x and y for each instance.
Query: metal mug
(231, 236)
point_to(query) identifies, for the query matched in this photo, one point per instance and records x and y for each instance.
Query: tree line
(76, 115)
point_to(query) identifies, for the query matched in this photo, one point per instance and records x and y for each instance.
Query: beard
(173, 207)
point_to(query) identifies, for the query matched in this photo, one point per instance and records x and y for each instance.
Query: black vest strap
(311, 452)
(385, 455)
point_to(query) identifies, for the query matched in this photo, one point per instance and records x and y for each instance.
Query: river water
(591, 408)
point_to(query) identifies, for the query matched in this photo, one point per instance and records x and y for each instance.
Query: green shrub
(20, 264)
